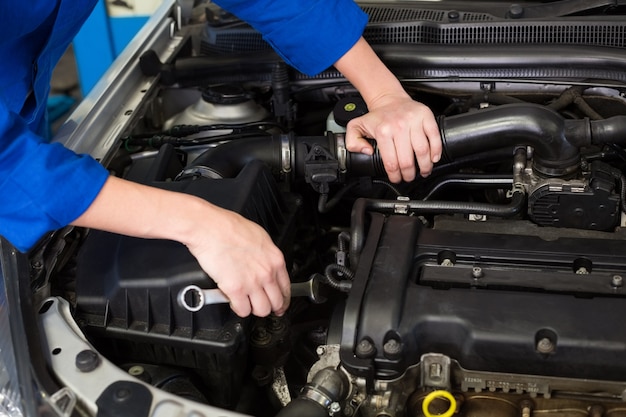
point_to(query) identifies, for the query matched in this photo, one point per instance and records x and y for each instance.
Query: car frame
(61, 372)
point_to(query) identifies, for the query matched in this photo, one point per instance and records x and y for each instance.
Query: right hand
(405, 131)
(246, 265)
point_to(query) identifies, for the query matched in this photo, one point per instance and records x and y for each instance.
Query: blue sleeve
(42, 186)
(310, 35)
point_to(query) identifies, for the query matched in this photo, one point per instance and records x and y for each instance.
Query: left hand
(405, 131)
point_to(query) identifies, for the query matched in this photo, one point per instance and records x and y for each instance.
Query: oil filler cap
(348, 108)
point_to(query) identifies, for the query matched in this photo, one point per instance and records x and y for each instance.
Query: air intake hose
(556, 142)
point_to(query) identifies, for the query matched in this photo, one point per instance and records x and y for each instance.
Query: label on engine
(479, 384)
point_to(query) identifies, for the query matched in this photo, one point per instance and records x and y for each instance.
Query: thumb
(356, 140)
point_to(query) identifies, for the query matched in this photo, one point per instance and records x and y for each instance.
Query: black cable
(471, 181)
(324, 205)
(159, 140)
(388, 185)
(181, 131)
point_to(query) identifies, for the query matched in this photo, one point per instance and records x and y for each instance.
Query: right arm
(44, 187)
(238, 254)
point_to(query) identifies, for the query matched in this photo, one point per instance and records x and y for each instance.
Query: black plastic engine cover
(498, 296)
(126, 288)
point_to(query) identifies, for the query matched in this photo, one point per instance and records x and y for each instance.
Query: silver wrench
(193, 298)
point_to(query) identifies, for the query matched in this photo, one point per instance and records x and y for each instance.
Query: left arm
(405, 130)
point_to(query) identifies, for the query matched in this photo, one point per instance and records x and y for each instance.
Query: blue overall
(45, 186)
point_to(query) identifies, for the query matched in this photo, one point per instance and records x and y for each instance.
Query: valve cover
(504, 303)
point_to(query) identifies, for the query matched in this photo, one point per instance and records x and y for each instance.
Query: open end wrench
(193, 298)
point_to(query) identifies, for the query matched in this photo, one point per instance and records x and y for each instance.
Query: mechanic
(45, 186)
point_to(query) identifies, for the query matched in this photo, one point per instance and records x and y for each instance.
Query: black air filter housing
(126, 287)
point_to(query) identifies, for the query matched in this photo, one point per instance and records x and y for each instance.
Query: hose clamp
(403, 206)
(342, 152)
(316, 396)
(198, 171)
(285, 152)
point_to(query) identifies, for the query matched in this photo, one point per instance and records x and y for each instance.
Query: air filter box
(126, 287)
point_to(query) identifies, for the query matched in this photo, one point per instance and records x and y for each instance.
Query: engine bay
(492, 287)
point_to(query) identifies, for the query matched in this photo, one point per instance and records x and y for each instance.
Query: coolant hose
(363, 205)
(328, 388)
(303, 407)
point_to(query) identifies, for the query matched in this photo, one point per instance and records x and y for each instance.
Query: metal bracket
(64, 401)
(435, 371)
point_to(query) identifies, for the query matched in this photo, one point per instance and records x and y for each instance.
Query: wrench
(193, 298)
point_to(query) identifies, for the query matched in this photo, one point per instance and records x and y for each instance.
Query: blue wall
(100, 41)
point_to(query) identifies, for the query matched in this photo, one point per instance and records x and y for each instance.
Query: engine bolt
(582, 271)
(447, 262)
(545, 345)
(392, 348)
(276, 324)
(365, 349)
(477, 272)
(321, 350)
(260, 336)
(617, 281)
(334, 408)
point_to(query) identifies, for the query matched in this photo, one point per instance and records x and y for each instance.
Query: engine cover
(499, 303)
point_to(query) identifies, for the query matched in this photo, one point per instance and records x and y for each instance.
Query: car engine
(494, 286)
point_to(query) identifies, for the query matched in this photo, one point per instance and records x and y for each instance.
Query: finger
(431, 128)
(277, 299)
(422, 153)
(389, 156)
(406, 157)
(240, 304)
(281, 294)
(261, 306)
(284, 283)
